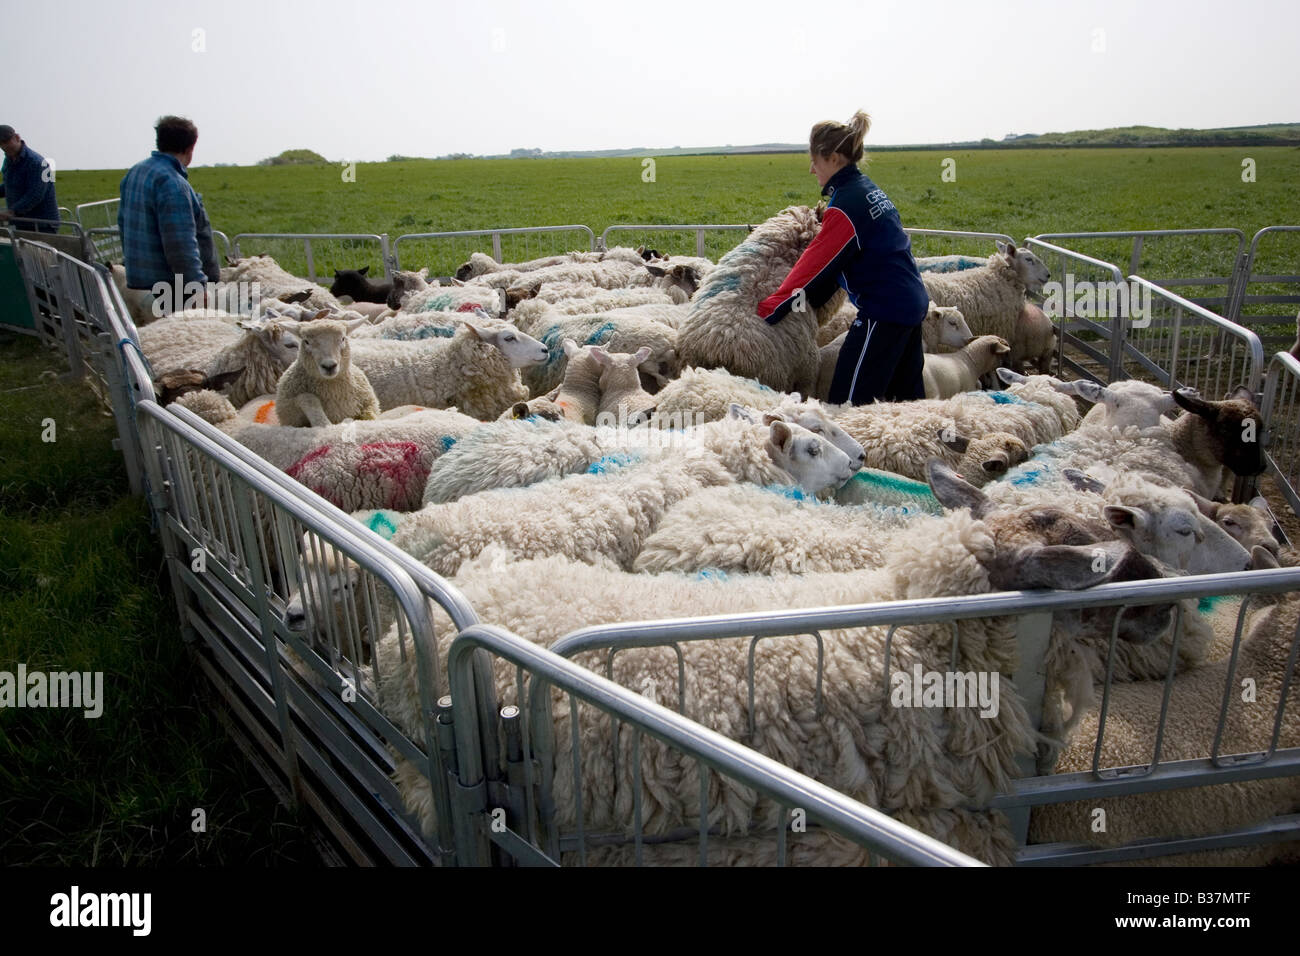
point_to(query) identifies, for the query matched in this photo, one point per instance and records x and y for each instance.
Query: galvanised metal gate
(442, 253)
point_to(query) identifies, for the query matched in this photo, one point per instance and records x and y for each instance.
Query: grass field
(82, 587)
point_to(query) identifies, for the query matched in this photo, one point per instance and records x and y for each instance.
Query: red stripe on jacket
(836, 232)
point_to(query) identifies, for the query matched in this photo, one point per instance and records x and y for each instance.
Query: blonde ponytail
(829, 137)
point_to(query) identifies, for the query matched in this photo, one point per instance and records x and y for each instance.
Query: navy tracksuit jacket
(862, 247)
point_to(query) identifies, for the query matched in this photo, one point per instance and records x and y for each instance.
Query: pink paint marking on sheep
(296, 469)
(398, 462)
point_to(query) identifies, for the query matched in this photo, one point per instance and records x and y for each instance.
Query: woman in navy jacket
(861, 247)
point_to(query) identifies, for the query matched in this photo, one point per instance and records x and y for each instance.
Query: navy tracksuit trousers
(879, 361)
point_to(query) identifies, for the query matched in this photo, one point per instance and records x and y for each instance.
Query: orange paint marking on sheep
(264, 412)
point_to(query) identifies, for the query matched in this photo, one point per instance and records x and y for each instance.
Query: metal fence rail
(442, 253)
(710, 241)
(1281, 410)
(1267, 296)
(316, 255)
(527, 834)
(1199, 264)
(1035, 613)
(1089, 337)
(948, 242)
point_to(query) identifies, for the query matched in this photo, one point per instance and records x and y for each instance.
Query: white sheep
(476, 370)
(357, 465)
(481, 264)
(990, 298)
(924, 768)
(322, 387)
(622, 334)
(617, 510)
(950, 374)
(253, 354)
(1129, 403)
(942, 329)
(1033, 340)
(622, 399)
(274, 282)
(412, 327)
(575, 298)
(723, 329)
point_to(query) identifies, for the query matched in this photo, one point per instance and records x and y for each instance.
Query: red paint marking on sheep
(294, 470)
(399, 462)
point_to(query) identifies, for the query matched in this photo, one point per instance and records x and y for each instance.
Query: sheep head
(812, 416)
(1029, 269)
(521, 350)
(953, 330)
(812, 461)
(1231, 432)
(324, 347)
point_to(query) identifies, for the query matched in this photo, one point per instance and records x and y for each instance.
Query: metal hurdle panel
(1200, 265)
(316, 255)
(502, 807)
(1089, 337)
(711, 241)
(1281, 410)
(443, 253)
(950, 242)
(1267, 297)
(1034, 611)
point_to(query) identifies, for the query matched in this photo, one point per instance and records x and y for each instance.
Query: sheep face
(1127, 404)
(813, 462)
(1235, 429)
(521, 350)
(404, 283)
(1031, 270)
(1251, 525)
(1177, 534)
(280, 343)
(815, 419)
(680, 276)
(953, 330)
(325, 349)
(987, 352)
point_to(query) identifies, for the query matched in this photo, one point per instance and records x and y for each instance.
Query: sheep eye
(813, 451)
(510, 338)
(1184, 531)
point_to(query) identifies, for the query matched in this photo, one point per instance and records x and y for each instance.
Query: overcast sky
(359, 81)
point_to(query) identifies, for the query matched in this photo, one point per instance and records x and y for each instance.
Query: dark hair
(829, 137)
(175, 134)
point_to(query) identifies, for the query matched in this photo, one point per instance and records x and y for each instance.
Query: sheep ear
(363, 270)
(782, 435)
(642, 354)
(1083, 482)
(600, 355)
(1092, 392)
(741, 413)
(1242, 394)
(1121, 517)
(1206, 507)
(953, 491)
(1195, 404)
(956, 442)
(1001, 347)
(571, 348)
(1262, 558)
(1259, 504)
(1064, 567)
(520, 410)
(477, 329)
(657, 271)
(1010, 376)
(1002, 246)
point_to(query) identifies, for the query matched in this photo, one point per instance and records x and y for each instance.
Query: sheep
(611, 273)
(375, 312)
(578, 396)
(1191, 452)
(924, 768)
(256, 352)
(951, 263)
(943, 328)
(617, 511)
(723, 329)
(477, 369)
(769, 531)
(481, 264)
(437, 298)
(355, 284)
(681, 277)
(990, 298)
(1129, 403)
(1033, 340)
(357, 465)
(1252, 524)
(1193, 701)
(622, 399)
(626, 334)
(411, 327)
(574, 298)
(544, 409)
(274, 281)
(947, 375)
(322, 387)
(406, 281)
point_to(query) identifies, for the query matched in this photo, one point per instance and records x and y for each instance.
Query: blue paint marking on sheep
(711, 574)
(793, 492)
(611, 462)
(956, 264)
(718, 284)
(447, 441)
(424, 332)
(1006, 398)
(551, 338)
(381, 524)
(602, 333)
(1031, 476)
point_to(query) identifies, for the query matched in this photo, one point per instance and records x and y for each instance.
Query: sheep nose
(329, 367)
(296, 620)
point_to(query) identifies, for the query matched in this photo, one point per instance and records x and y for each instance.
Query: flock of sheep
(609, 436)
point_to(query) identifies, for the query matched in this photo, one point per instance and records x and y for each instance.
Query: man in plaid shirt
(166, 236)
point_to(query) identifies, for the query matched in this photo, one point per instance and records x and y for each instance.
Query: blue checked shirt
(27, 191)
(165, 229)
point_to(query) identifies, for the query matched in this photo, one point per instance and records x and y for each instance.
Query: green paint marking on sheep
(888, 490)
(718, 284)
(423, 332)
(1208, 604)
(383, 525)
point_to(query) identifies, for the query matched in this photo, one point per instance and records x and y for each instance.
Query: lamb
(923, 769)
(622, 399)
(626, 334)
(406, 281)
(1251, 524)
(723, 329)
(355, 284)
(255, 352)
(274, 281)
(476, 370)
(357, 465)
(990, 298)
(1033, 340)
(947, 375)
(322, 387)
(942, 329)
(578, 396)
(1195, 698)
(618, 510)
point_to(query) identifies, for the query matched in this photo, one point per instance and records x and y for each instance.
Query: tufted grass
(82, 587)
